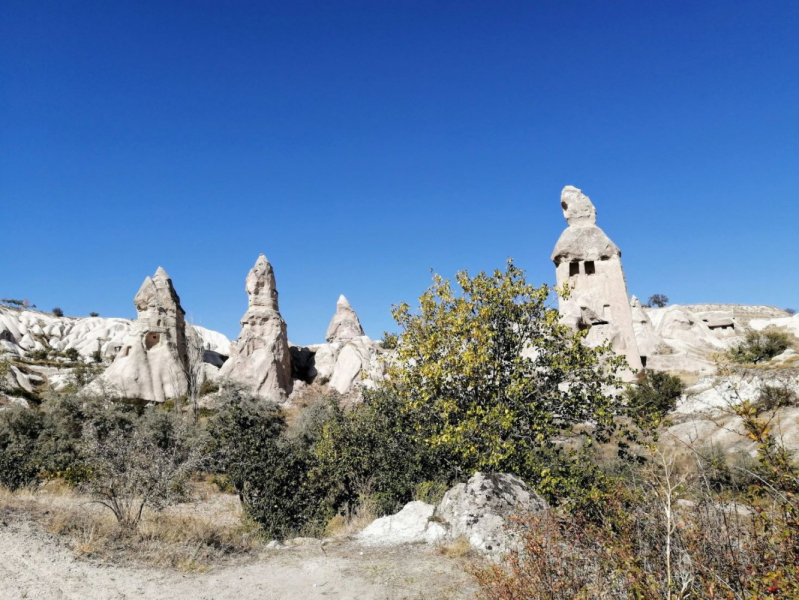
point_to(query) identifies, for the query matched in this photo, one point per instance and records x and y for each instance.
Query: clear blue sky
(360, 144)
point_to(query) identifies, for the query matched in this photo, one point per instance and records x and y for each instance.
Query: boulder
(260, 357)
(479, 509)
(412, 525)
(345, 324)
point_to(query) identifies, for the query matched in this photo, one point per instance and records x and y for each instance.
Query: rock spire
(345, 324)
(590, 264)
(260, 357)
(152, 361)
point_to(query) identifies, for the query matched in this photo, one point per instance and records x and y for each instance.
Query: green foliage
(372, 451)
(491, 380)
(389, 341)
(269, 472)
(97, 356)
(58, 312)
(72, 354)
(94, 314)
(19, 430)
(653, 398)
(208, 387)
(40, 354)
(759, 346)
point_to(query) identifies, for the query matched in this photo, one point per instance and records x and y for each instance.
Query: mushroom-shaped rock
(260, 358)
(590, 264)
(345, 324)
(152, 361)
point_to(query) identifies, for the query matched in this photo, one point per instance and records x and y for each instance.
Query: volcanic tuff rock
(345, 324)
(590, 264)
(477, 510)
(152, 362)
(260, 358)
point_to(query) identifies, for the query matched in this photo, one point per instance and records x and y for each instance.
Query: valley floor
(33, 565)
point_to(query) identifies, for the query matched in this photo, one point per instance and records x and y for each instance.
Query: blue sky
(360, 144)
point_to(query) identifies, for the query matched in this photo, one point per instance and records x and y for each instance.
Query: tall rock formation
(590, 264)
(260, 357)
(345, 324)
(152, 361)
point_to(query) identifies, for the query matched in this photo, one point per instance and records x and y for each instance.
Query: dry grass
(341, 525)
(188, 537)
(460, 548)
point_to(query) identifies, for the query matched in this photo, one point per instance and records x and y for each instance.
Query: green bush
(72, 354)
(653, 398)
(759, 346)
(94, 314)
(19, 430)
(268, 470)
(58, 312)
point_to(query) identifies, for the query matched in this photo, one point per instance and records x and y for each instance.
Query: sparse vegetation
(759, 346)
(790, 311)
(94, 314)
(58, 312)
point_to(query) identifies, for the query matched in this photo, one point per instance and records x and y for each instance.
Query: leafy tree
(94, 314)
(657, 300)
(72, 354)
(790, 311)
(491, 379)
(58, 312)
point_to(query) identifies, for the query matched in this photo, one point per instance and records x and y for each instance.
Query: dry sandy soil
(33, 564)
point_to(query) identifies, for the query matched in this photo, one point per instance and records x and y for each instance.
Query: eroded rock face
(152, 361)
(646, 337)
(590, 264)
(412, 525)
(260, 357)
(345, 324)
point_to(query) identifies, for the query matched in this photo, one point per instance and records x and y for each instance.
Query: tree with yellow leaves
(493, 380)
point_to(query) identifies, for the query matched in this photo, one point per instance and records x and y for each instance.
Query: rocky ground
(33, 564)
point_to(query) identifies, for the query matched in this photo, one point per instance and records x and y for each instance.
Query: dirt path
(33, 565)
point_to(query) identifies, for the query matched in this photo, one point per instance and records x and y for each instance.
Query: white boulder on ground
(477, 510)
(151, 363)
(260, 357)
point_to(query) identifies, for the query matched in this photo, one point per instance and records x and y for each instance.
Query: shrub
(97, 356)
(759, 346)
(653, 398)
(772, 397)
(389, 341)
(19, 430)
(58, 312)
(72, 354)
(790, 311)
(40, 354)
(94, 314)
(268, 473)
(147, 465)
